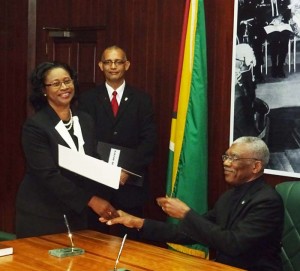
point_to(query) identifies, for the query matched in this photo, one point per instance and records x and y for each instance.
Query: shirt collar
(119, 90)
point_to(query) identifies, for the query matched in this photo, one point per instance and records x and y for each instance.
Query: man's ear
(257, 167)
(127, 65)
(100, 64)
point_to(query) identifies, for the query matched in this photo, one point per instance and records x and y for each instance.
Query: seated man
(245, 225)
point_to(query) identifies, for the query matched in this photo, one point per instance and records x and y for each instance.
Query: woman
(47, 191)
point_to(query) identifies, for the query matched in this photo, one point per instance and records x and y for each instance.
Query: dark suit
(245, 233)
(48, 191)
(134, 128)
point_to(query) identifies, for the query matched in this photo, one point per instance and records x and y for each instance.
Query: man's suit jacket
(133, 127)
(48, 190)
(247, 236)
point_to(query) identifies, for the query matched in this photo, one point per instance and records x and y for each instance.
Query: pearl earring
(45, 94)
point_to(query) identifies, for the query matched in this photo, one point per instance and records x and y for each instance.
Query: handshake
(171, 206)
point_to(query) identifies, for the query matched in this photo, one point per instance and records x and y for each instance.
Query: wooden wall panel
(13, 84)
(87, 13)
(150, 31)
(49, 13)
(219, 27)
(62, 51)
(87, 59)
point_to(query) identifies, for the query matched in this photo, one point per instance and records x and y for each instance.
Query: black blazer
(247, 237)
(47, 190)
(133, 127)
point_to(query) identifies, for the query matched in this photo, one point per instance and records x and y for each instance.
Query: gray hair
(258, 147)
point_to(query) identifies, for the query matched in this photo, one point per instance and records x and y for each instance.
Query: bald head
(114, 48)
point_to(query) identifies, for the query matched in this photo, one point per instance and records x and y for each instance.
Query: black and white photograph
(265, 98)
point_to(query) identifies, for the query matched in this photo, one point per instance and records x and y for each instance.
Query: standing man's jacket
(133, 127)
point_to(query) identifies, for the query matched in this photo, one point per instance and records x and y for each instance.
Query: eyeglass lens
(117, 62)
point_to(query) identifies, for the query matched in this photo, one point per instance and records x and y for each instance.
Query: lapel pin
(126, 98)
(243, 202)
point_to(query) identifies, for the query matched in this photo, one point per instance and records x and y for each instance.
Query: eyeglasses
(58, 84)
(232, 159)
(117, 62)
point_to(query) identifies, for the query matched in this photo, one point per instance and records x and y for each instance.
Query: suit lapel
(243, 202)
(238, 209)
(127, 98)
(63, 132)
(104, 101)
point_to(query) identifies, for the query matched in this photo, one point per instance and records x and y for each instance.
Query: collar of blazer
(62, 130)
(127, 98)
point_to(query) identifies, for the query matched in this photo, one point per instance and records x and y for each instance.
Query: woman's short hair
(37, 80)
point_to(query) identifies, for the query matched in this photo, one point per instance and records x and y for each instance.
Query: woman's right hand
(103, 208)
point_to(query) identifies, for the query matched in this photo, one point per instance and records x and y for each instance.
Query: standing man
(124, 116)
(246, 223)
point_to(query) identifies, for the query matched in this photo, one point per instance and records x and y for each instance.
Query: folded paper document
(89, 167)
(122, 157)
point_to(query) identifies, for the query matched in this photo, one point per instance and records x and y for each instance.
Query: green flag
(187, 166)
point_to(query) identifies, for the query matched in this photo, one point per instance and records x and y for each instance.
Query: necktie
(114, 103)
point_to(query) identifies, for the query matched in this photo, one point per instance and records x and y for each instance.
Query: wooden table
(101, 250)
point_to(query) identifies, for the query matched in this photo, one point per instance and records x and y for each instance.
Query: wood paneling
(150, 33)
(49, 13)
(13, 85)
(149, 30)
(78, 47)
(219, 29)
(89, 13)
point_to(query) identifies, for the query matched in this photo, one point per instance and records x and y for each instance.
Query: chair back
(4, 236)
(290, 193)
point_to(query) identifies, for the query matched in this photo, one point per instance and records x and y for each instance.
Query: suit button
(115, 133)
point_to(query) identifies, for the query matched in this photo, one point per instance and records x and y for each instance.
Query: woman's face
(59, 88)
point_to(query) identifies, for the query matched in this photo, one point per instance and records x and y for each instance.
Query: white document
(89, 167)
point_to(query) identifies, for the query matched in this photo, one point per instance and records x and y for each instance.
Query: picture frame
(264, 99)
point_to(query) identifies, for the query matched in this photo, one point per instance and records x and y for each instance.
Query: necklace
(69, 124)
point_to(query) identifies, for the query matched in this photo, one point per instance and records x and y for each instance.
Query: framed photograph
(265, 92)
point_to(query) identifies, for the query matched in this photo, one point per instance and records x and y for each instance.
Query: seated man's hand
(173, 207)
(125, 219)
